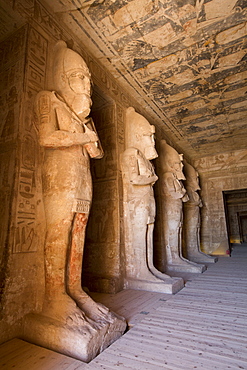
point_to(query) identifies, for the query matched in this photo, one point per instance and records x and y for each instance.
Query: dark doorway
(243, 227)
(235, 202)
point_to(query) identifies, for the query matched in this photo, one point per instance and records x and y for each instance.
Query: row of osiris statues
(70, 321)
(139, 210)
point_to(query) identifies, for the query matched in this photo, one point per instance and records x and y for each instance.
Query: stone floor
(204, 326)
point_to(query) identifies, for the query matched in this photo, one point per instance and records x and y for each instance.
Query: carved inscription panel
(24, 228)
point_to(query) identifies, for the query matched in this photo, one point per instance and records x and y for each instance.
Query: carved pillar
(70, 321)
(139, 208)
(23, 68)
(173, 196)
(192, 223)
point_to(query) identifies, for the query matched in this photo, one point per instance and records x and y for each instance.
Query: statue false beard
(150, 153)
(79, 104)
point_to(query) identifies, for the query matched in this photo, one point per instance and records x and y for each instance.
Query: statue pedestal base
(185, 266)
(169, 285)
(80, 342)
(200, 257)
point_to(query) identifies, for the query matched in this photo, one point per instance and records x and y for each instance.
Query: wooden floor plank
(20, 355)
(204, 326)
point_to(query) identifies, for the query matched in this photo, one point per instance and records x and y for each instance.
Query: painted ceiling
(184, 60)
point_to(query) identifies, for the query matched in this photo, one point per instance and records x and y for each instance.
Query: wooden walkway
(204, 326)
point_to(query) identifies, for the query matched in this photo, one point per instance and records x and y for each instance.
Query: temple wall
(26, 58)
(237, 214)
(217, 174)
(23, 60)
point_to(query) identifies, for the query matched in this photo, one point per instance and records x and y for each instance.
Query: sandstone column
(70, 322)
(173, 196)
(139, 208)
(192, 224)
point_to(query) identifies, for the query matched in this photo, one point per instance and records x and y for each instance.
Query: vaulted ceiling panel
(185, 59)
(190, 58)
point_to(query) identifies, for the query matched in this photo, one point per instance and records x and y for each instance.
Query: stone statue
(173, 196)
(191, 229)
(139, 208)
(68, 139)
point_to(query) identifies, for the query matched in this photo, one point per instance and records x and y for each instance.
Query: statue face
(72, 79)
(178, 169)
(148, 144)
(79, 82)
(79, 94)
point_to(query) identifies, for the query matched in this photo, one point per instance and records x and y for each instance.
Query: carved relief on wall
(34, 9)
(120, 127)
(12, 73)
(25, 223)
(105, 120)
(12, 52)
(24, 231)
(103, 227)
(222, 161)
(219, 173)
(6, 173)
(36, 65)
(107, 166)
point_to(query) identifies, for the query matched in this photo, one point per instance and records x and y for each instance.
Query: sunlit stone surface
(173, 196)
(139, 208)
(70, 322)
(192, 222)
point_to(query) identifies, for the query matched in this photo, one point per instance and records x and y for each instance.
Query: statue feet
(200, 257)
(63, 309)
(93, 310)
(63, 327)
(175, 262)
(153, 280)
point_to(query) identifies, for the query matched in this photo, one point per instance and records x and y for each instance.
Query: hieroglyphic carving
(6, 173)
(222, 162)
(33, 8)
(12, 66)
(104, 227)
(36, 64)
(105, 81)
(120, 127)
(24, 230)
(25, 233)
(222, 172)
(9, 127)
(106, 120)
(12, 52)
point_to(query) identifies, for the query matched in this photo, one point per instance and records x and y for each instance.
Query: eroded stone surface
(173, 195)
(139, 208)
(226, 171)
(192, 222)
(68, 139)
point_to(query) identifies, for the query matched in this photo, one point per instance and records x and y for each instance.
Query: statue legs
(140, 271)
(64, 247)
(57, 303)
(93, 310)
(70, 322)
(173, 239)
(158, 274)
(191, 236)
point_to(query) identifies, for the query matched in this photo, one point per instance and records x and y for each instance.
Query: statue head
(72, 79)
(171, 161)
(192, 177)
(140, 134)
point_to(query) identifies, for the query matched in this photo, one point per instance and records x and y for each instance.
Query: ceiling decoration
(184, 60)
